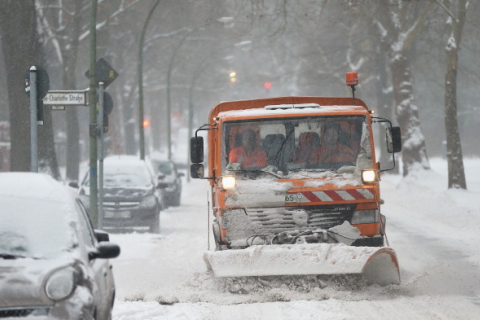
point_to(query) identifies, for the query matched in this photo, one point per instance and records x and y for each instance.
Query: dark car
(52, 263)
(167, 172)
(132, 197)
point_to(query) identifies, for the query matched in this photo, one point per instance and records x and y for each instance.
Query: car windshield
(124, 176)
(296, 144)
(33, 228)
(164, 167)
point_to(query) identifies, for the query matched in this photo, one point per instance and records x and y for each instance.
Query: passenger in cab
(249, 154)
(331, 150)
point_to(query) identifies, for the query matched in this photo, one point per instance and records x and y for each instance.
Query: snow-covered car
(167, 172)
(53, 264)
(132, 197)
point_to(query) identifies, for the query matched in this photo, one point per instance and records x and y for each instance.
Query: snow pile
(433, 230)
(204, 287)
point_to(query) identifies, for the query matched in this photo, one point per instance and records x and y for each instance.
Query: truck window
(287, 144)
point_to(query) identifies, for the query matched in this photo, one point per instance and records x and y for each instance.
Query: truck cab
(286, 170)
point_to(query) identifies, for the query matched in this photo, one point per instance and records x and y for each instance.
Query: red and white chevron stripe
(330, 196)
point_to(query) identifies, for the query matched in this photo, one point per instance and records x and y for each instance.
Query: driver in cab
(331, 149)
(249, 154)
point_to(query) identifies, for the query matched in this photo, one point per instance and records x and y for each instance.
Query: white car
(53, 264)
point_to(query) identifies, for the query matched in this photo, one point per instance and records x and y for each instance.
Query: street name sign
(66, 98)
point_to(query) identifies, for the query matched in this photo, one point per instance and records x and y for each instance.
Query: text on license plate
(117, 214)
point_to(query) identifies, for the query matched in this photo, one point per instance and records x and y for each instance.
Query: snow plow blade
(378, 265)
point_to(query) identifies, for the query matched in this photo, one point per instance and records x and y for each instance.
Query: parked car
(167, 172)
(53, 264)
(132, 197)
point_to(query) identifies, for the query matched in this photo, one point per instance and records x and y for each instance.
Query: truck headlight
(228, 182)
(61, 284)
(365, 216)
(369, 176)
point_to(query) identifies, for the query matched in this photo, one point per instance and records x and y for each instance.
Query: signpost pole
(33, 121)
(100, 153)
(93, 117)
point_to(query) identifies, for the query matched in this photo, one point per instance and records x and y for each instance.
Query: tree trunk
(47, 158)
(414, 152)
(73, 130)
(20, 50)
(456, 171)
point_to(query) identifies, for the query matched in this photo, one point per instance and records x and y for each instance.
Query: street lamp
(227, 21)
(140, 84)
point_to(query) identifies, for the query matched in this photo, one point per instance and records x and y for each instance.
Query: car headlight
(228, 182)
(148, 202)
(61, 284)
(365, 216)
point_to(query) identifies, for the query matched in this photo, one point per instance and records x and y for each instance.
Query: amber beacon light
(352, 81)
(352, 78)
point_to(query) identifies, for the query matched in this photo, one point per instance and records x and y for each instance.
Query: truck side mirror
(196, 150)
(394, 139)
(197, 171)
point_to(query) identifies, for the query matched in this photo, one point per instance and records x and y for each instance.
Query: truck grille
(275, 220)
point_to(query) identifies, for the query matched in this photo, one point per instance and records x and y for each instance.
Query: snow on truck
(295, 188)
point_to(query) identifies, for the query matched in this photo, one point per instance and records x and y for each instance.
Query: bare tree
(22, 49)
(455, 22)
(61, 25)
(397, 25)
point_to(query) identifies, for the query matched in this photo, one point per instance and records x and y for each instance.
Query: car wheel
(155, 224)
(176, 201)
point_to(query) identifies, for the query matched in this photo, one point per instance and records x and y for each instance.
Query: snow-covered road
(435, 232)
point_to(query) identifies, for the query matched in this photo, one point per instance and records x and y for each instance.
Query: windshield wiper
(260, 171)
(8, 256)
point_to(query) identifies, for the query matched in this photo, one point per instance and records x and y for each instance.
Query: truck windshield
(295, 144)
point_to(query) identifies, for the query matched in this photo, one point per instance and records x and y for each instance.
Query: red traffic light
(351, 78)
(146, 123)
(267, 85)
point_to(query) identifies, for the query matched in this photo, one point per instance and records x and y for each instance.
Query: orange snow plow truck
(295, 188)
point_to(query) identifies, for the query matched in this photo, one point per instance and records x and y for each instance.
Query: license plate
(117, 214)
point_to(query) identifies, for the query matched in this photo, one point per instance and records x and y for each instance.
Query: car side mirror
(196, 149)
(73, 184)
(394, 140)
(105, 250)
(197, 171)
(181, 174)
(162, 185)
(101, 236)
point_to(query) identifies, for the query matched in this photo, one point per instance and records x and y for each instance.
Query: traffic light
(233, 77)
(146, 123)
(267, 85)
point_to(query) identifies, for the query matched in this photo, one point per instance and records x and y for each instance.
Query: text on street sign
(74, 98)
